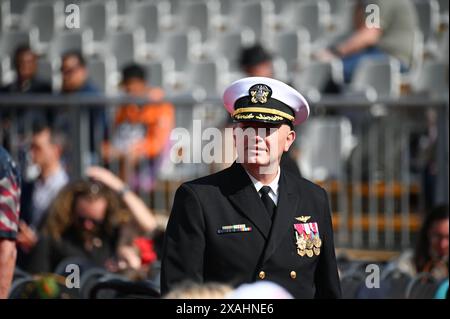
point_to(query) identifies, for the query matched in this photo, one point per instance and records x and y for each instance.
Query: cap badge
(259, 93)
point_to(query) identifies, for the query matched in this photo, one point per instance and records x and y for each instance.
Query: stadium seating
(150, 31)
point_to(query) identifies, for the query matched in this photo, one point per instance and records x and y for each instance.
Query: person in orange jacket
(141, 134)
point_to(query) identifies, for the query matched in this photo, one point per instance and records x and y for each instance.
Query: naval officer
(254, 221)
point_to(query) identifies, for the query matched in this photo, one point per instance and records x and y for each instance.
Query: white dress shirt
(273, 186)
(45, 192)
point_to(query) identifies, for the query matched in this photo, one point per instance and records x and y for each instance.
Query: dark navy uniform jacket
(196, 250)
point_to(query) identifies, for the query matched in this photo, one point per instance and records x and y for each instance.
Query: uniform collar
(273, 185)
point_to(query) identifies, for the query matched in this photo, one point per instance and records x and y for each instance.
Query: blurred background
(104, 82)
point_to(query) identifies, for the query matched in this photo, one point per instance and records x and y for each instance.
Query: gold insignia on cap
(244, 116)
(261, 110)
(259, 93)
(269, 117)
(303, 219)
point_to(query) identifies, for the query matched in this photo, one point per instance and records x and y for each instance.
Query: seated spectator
(394, 36)
(256, 61)
(25, 64)
(75, 80)
(26, 81)
(37, 194)
(136, 252)
(141, 133)
(89, 221)
(9, 217)
(75, 75)
(431, 252)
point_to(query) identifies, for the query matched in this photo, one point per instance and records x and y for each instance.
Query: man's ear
(289, 140)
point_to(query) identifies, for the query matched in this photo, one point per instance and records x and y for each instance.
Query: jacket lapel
(288, 201)
(244, 197)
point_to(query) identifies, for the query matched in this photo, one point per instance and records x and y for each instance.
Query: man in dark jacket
(255, 220)
(25, 64)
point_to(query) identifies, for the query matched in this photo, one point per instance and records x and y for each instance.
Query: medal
(309, 244)
(317, 242)
(301, 243)
(307, 238)
(316, 251)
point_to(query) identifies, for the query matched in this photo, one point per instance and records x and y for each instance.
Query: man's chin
(255, 160)
(265, 166)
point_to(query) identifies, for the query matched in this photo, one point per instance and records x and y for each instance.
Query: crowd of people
(48, 220)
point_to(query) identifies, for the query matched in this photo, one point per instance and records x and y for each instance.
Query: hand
(106, 177)
(155, 94)
(128, 258)
(27, 237)
(109, 152)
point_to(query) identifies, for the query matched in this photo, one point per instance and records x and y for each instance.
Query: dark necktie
(268, 202)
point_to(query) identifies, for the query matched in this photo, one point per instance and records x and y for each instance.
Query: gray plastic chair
(4, 14)
(227, 7)
(281, 5)
(69, 41)
(146, 15)
(228, 45)
(123, 6)
(102, 72)
(155, 73)
(314, 76)
(377, 78)
(19, 6)
(433, 78)
(175, 6)
(178, 45)
(341, 15)
(98, 16)
(443, 6)
(10, 40)
(293, 47)
(13, 11)
(125, 46)
(98, 73)
(443, 48)
(197, 15)
(45, 70)
(325, 146)
(428, 15)
(204, 75)
(43, 16)
(4, 70)
(310, 15)
(252, 15)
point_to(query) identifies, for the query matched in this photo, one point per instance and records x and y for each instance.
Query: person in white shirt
(46, 149)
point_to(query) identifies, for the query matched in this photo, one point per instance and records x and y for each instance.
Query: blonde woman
(89, 221)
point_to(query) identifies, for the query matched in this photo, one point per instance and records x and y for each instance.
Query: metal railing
(376, 198)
